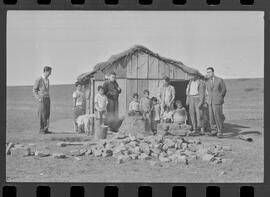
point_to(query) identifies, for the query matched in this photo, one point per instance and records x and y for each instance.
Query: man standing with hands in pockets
(216, 89)
(41, 93)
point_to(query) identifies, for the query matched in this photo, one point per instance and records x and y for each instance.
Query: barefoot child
(155, 114)
(79, 101)
(101, 102)
(145, 108)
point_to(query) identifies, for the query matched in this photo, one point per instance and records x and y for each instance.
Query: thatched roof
(124, 58)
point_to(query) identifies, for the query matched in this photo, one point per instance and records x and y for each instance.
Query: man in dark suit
(216, 89)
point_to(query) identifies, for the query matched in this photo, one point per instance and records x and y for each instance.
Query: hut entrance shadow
(233, 130)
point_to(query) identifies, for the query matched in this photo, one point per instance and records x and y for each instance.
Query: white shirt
(134, 106)
(193, 89)
(167, 94)
(80, 98)
(101, 101)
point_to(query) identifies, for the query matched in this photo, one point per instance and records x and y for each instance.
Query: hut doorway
(180, 90)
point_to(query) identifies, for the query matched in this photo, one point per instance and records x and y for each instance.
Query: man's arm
(201, 93)
(173, 95)
(223, 88)
(36, 89)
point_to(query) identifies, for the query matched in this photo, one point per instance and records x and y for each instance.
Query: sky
(73, 42)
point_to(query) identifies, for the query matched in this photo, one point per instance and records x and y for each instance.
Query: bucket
(101, 132)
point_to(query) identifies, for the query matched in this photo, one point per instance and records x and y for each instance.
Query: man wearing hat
(41, 93)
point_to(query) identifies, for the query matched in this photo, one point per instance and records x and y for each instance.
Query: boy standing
(155, 114)
(41, 93)
(145, 107)
(101, 103)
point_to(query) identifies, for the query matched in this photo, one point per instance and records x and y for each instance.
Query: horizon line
(73, 83)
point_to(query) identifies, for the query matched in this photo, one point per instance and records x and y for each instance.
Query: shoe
(213, 133)
(48, 132)
(219, 135)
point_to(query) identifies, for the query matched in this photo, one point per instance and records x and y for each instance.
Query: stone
(83, 151)
(89, 152)
(75, 153)
(154, 154)
(107, 153)
(24, 151)
(207, 157)
(155, 163)
(97, 152)
(165, 147)
(134, 156)
(140, 136)
(164, 159)
(170, 151)
(42, 153)
(184, 146)
(59, 155)
(144, 156)
(122, 158)
(227, 148)
(9, 146)
(170, 143)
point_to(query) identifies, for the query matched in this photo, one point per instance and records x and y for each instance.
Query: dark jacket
(216, 92)
(40, 90)
(111, 89)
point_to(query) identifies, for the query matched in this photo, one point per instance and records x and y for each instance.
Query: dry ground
(244, 114)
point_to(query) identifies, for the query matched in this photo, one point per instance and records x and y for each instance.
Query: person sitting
(167, 116)
(155, 114)
(180, 113)
(134, 105)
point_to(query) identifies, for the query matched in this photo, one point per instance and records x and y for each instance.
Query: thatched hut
(137, 69)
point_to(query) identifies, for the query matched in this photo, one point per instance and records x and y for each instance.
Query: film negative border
(132, 189)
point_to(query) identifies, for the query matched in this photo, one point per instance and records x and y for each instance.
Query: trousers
(196, 114)
(44, 114)
(216, 117)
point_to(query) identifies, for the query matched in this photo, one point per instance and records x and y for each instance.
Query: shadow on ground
(233, 130)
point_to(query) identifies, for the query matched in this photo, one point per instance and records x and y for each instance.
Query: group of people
(204, 99)
(153, 111)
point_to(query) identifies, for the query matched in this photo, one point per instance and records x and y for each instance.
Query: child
(155, 114)
(180, 113)
(134, 105)
(101, 102)
(79, 102)
(167, 116)
(145, 108)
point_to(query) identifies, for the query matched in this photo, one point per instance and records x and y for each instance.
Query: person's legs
(218, 113)
(211, 117)
(47, 113)
(197, 112)
(41, 116)
(192, 113)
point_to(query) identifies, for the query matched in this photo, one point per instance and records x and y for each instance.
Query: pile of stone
(156, 148)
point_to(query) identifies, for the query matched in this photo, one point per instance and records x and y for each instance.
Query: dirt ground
(245, 163)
